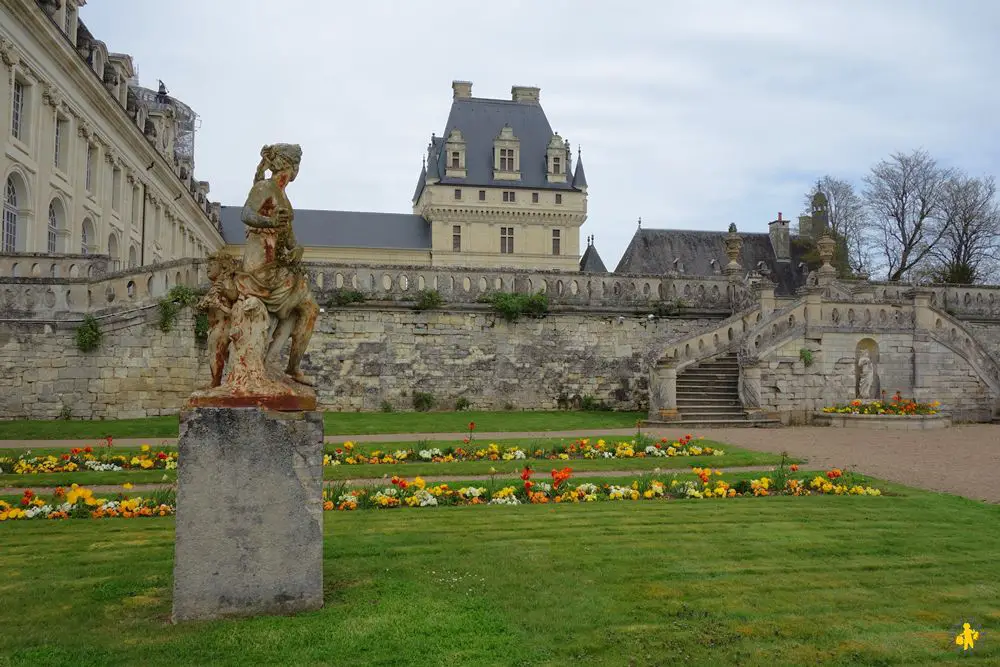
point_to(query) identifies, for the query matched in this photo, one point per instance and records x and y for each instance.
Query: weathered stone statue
(249, 527)
(218, 306)
(268, 287)
(866, 375)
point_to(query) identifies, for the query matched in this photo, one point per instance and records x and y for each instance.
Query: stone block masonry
(363, 357)
(360, 357)
(249, 536)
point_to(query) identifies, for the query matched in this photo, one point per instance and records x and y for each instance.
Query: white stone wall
(139, 204)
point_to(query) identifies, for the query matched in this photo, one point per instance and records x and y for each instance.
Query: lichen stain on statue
(258, 303)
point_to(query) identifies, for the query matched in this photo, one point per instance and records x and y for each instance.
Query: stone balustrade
(43, 265)
(60, 298)
(458, 285)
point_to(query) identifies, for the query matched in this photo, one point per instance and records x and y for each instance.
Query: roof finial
(640, 222)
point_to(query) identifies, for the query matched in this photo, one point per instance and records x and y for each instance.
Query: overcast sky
(690, 114)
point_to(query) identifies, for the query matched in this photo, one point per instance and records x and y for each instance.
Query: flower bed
(418, 493)
(899, 406)
(638, 448)
(101, 460)
(80, 502)
(87, 458)
(896, 414)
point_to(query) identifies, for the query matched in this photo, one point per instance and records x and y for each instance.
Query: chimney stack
(780, 241)
(461, 89)
(526, 94)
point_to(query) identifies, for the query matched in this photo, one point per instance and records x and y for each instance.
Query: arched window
(10, 216)
(53, 227)
(113, 252)
(133, 257)
(86, 236)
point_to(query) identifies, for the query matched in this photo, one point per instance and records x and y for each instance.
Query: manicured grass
(346, 423)
(818, 580)
(62, 429)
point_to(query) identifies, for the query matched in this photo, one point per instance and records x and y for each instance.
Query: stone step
(700, 372)
(710, 409)
(701, 392)
(714, 423)
(709, 400)
(692, 385)
(709, 416)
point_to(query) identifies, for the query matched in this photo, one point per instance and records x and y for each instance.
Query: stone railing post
(922, 309)
(663, 392)
(767, 303)
(749, 390)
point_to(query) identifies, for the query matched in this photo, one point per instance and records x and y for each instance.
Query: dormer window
(506, 159)
(506, 156)
(455, 147)
(556, 160)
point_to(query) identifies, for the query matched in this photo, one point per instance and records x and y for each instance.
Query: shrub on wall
(88, 334)
(178, 297)
(344, 297)
(511, 307)
(428, 299)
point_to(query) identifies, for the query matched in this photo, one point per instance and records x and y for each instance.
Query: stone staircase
(708, 395)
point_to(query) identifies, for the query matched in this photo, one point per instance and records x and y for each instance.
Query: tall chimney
(780, 242)
(526, 94)
(461, 89)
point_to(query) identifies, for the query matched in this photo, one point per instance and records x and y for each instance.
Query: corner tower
(499, 189)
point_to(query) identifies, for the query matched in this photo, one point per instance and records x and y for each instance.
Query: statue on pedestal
(262, 301)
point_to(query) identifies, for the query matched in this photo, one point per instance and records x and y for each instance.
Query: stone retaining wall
(360, 356)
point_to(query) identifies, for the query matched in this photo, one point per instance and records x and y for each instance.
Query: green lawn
(346, 423)
(817, 580)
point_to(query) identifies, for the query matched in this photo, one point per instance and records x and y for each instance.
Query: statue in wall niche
(865, 375)
(258, 303)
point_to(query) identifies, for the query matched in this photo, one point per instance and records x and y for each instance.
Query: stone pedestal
(249, 513)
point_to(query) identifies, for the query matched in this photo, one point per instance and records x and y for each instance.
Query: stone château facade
(92, 162)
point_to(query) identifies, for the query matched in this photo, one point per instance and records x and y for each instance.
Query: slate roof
(653, 251)
(591, 261)
(579, 177)
(480, 121)
(343, 229)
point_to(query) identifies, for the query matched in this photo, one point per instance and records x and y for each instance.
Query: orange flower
(560, 476)
(794, 467)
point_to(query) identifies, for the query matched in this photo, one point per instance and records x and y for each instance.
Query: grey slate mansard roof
(480, 121)
(343, 229)
(653, 251)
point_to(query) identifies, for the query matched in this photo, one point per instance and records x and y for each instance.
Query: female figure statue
(866, 375)
(271, 269)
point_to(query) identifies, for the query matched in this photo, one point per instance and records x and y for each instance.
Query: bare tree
(848, 220)
(904, 195)
(969, 247)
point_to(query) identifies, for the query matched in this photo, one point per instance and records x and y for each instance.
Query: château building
(92, 162)
(498, 189)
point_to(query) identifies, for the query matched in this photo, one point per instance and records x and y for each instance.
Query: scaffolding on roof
(186, 121)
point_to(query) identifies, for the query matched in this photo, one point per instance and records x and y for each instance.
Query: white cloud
(690, 114)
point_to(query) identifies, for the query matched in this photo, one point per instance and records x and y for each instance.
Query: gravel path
(964, 460)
